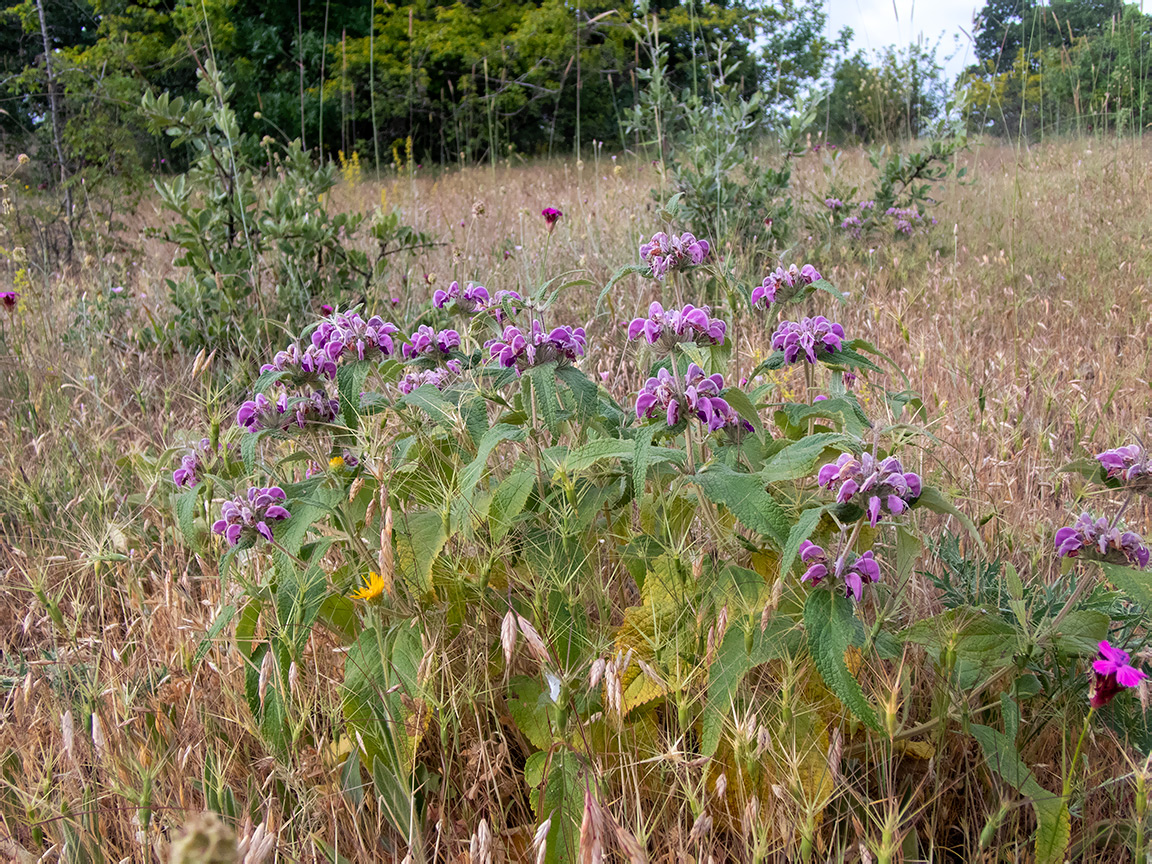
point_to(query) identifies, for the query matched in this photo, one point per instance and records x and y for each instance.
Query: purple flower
(427, 342)
(502, 304)
(879, 484)
(1113, 673)
(668, 329)
(9, 298)
(314, 408)
(185, 475)
(1129, 464)
(812, 337)
(664, 252)
(861, 570)
(346, 330)
(699, 397)
(1097, 540)
(782, 285)
(248, 515)
(551, 217)
(518, 349)
(261, 413)
(867, 205)
(833, 203)
(326, 309)
(438, 378)
(310, 367)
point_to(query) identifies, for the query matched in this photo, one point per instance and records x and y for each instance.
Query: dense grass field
(1022, 318)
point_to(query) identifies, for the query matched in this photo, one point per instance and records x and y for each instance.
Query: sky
(878, 23)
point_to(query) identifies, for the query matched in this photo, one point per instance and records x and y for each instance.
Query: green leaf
(587, 455)
(472, 472)
(543, 390)
(186, 516)
(564, 804)
(508, 501)
(745, 496)
(641, 458)
(531, 708)
(584, 391)
(829, 622)
(1080, 633)
(743, 406)
(974, 634)
(626, 270)
(349, 383)
(222, 621)
(420, 537)
(801, 458)
(429, 400)
(800, 532)
(1053, 822)
(1136, 585)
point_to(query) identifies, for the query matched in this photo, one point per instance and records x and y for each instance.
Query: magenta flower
(699, 396)
(9, 298)
(315, 408)
(1097, 540)
(551, 217)
(309, 368)
(346, 330)
(668, 329)
(883, 485)
(1113, 673)
(438, 378)
(664, 253)
(502, 304)
(813, 337)
(862, 570)
(518, 349)
(1129, 465)
(427, 342)
(782, 285)
(248, 515)
(261, 413)
(185, 475)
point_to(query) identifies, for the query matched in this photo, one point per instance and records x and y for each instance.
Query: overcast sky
(878, 23)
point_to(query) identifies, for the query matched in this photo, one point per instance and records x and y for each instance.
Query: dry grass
(1026, 327)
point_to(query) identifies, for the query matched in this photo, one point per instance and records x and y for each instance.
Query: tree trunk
(54, 108)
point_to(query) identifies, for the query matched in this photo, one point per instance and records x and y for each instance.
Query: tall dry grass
(1022, 319)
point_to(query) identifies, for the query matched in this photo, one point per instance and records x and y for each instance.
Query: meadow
(143, 684)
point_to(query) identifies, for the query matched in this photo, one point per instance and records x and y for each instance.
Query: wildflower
(503, 303)
(1113, 672)
(861, 570)
(699, 397)
(867, 205)
(185, 475)
(833, 203)
(478, 209)
(22, 159)
(668, 329)
(261, 413)
(374, 586)
(852, 226)
(884, 483)
(438, 378)
(309, 367)
(348, 330)
(1128, 464)
(814, 337)
(782, 285)
(248, 515)
(316, 407)
(326, 309)
(428, 342)
(664, 253)
(1097, 540)
(537, 346)
(9, 298)
(551, 217)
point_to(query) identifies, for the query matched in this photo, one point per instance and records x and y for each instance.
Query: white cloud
(879, 23)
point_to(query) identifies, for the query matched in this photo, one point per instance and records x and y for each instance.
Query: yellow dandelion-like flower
(373, 587)
(336, 463)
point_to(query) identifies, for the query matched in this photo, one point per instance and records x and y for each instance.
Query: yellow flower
(335, 463)
(373, 587)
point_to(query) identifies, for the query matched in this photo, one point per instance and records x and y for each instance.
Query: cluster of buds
(855, 571)
(427, 342)
(247, 516)
(782, 285)
(348, 331)
(813, 337)
(665, 253)
(1098, 540)
(438, 378)
(884, 483)
(699, 397)
(1129, 464)
(518, 349)
(666, 329)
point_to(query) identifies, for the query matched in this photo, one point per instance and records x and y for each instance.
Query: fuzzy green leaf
(802, 458)
(745, 496)
(829, 622)
(543, 390)
(1136, 585)
(800, 532)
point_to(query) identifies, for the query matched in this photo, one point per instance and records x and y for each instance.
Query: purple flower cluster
(427, 342)
(669, 328)
(1096, 540)
(904, 217)
(1129, 464)
(700, 396)
(249, 515)
(309, 366)
(192, 462)
(515, 348)
(783, 285)
(480, 300)
(262, 413)
(348, 331)
(862, 569)
(885, 483)
(438, 378)
(664, 252)
(853, 226)
(867, 205)
(833, 203)
(812, 337)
